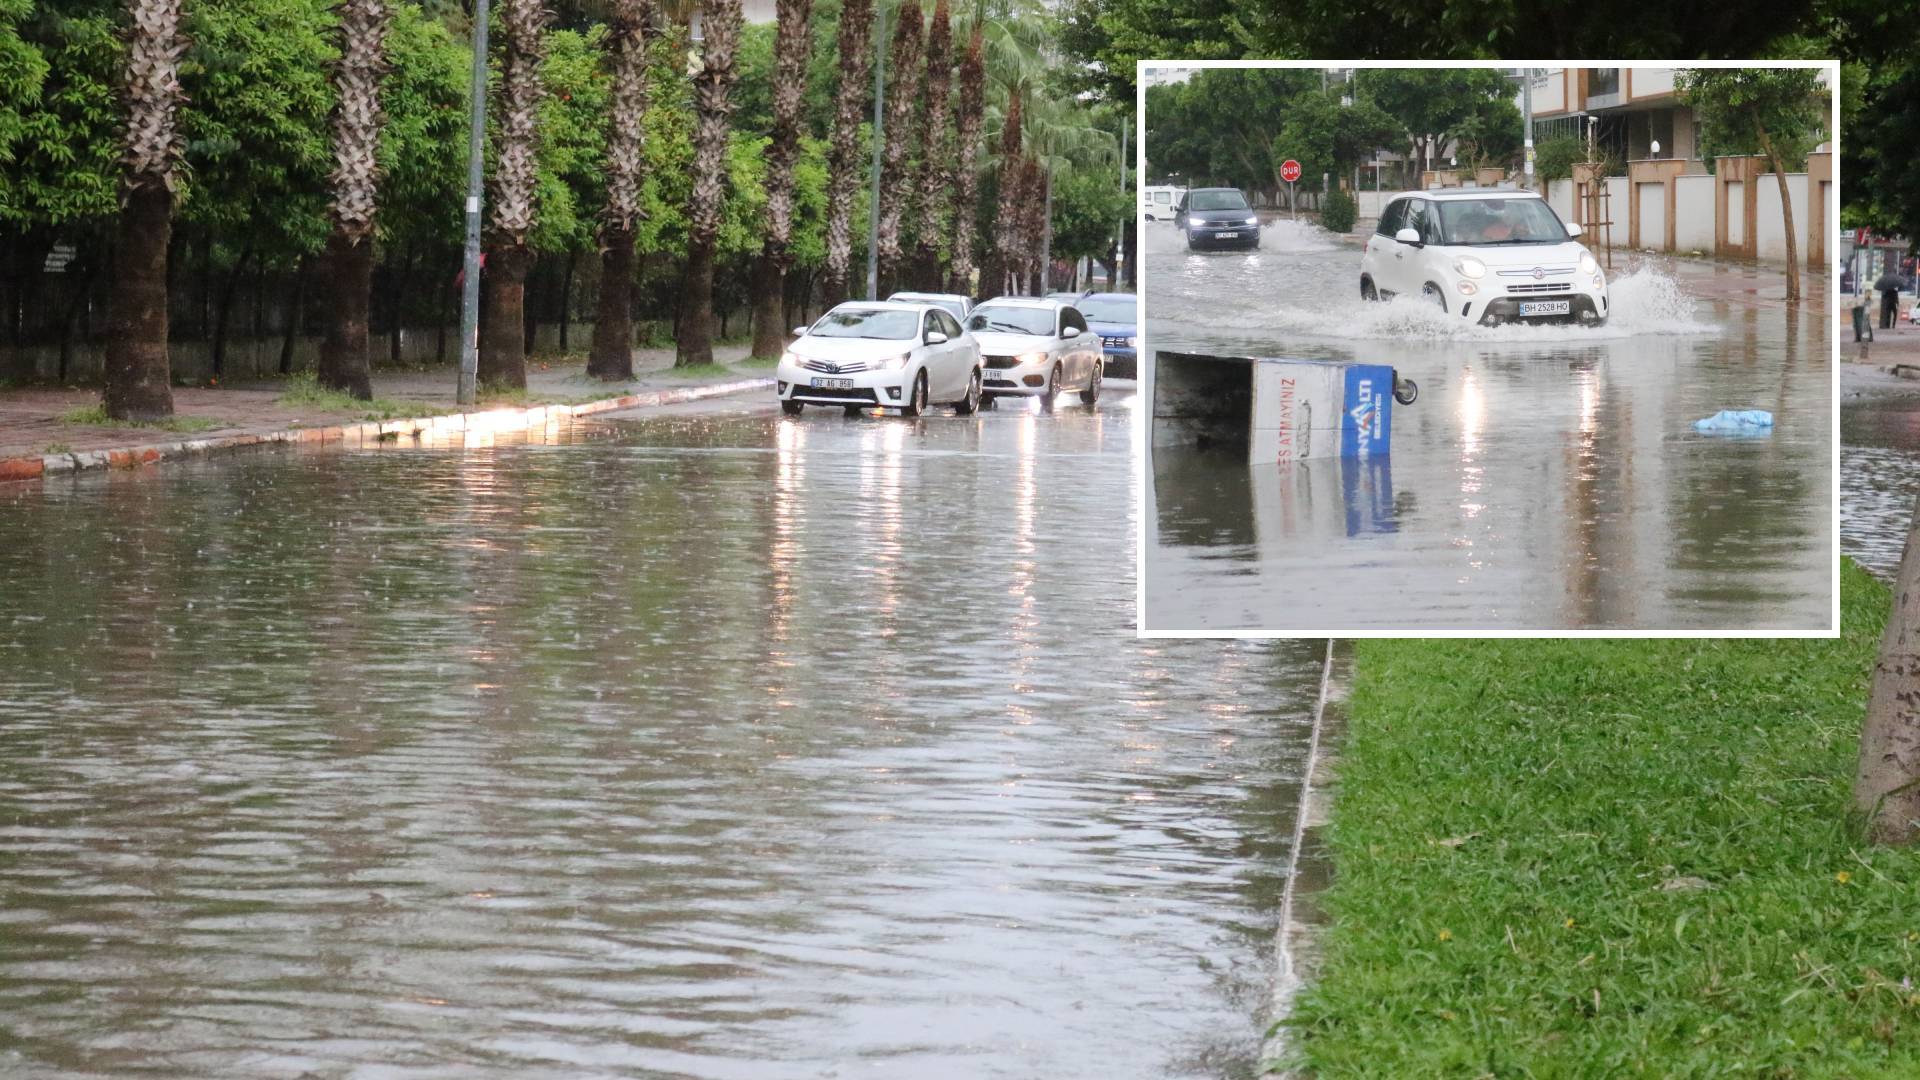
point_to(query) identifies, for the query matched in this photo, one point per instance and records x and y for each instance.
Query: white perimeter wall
(1768, 229)
(1693, 213)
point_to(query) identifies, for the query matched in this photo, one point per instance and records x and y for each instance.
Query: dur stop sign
(1289, 170)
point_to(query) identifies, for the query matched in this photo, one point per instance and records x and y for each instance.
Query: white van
(1158, 200)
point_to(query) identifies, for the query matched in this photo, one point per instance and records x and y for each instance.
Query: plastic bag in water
(1737, 422)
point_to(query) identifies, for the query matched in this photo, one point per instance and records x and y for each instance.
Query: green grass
(757, 362)
(57, 448)
(304, 390)
(697, 371)
(95, 415)
(1508, 813)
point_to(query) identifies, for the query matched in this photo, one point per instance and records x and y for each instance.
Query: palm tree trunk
(346, 272)
(843, 151)
(896, 177)
(936, 155)
(966, 190)
(503, 328)
(712, 89)
(791, 47)
(1007, 221)
(503, 337)
(611, 355)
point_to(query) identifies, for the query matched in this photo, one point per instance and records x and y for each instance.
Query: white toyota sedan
(864, 354)
(1036, 348)
(1488, 255)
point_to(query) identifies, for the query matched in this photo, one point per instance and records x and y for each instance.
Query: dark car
(1217, 217)
(1115, 317)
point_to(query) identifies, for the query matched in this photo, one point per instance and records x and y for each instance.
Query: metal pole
(476, 156)
(1046, 235)
(1120, 246)
(879, 138)
(1526, 105)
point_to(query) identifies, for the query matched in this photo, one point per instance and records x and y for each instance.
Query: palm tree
(843, 150)
(348, 259)
(793, 42)
(138, 378)
(936, 150)
(896, 179)
(626, 46)
(968, 112)
(503, 340)
(712, 89)
(1004, 246)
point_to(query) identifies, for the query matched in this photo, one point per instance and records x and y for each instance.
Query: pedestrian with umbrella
(1889, 288)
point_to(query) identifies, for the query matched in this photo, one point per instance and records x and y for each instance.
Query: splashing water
(1287, 236)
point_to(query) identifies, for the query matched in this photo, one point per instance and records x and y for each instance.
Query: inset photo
(1492, 351)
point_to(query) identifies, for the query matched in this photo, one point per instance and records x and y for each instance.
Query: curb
(1310, 866)
(370, 433)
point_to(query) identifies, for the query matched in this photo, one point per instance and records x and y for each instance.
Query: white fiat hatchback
(1037, 348)
(896, 356)
(1487, 255)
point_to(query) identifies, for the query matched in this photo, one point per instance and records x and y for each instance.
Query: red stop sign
(1289, 170)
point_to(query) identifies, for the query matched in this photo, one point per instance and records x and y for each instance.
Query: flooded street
(708, 745)
(1879, 479)
(1548, 477)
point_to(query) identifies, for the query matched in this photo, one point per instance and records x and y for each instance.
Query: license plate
(1000, 377)
(1546, 307)
(834, 384)
(1226, 236)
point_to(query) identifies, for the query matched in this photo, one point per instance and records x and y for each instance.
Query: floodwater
(1879, 479)
(715, 745)
(1548, 477)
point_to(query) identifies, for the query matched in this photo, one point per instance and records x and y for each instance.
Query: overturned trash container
(1284, 410)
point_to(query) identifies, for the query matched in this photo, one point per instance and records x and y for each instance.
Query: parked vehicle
(1487, 255)
(1158, 200)
(1115, 318)
(1036, 348)
(894, 355)
(955, 304)
(1217, 217)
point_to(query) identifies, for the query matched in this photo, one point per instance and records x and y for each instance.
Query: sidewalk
(39, 433)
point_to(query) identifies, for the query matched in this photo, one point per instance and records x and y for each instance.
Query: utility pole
(879, 138)
(1120, 247)
(468, 392)
(1046, 232)
(1526, 106)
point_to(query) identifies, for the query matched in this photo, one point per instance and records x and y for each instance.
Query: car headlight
(1253, 221)
(788, 358)
(1588, 265)
(1030, 358)
(1468, 266)
(893, 363)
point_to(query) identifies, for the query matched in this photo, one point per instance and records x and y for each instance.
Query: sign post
(1290, 171)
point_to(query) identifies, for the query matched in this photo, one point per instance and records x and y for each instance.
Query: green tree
(1088, 208)
(1438, 103)
(1779, 113)
(1220, 125)
(1325, 136)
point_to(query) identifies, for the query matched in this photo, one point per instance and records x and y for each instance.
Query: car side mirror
(1408, 236)
(799, 331)
(935, 337)
(1573, 228)
(1070, 332)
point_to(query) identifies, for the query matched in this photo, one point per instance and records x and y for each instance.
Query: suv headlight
(893, 363)
(1588, 265)
(1468, 266)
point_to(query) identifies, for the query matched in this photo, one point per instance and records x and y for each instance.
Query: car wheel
(1434, 294)
(917, 403)
(1092, 393)
(855, 410)
(1367, 291)
(793, 408)
(1052, 392)
(966, 406)
(989, 401)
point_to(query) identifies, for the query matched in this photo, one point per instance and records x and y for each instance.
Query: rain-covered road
(1547, 478)
(711, 745)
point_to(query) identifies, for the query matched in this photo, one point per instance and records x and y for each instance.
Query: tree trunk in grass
(896, 173)
(503, 329)
(138, 375)
(1786, 211)
(1886, 789)
(712, 89)
(296, 314)
(843, 152)
(791, 48)
(611, 354)
(347, 273)
(224, 318)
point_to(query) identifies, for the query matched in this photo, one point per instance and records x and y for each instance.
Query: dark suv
(1217, 217)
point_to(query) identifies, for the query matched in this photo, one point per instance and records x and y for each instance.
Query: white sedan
(1036, 348)
(896, 356)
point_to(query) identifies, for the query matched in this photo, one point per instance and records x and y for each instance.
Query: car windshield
(1485, 222)
(1217, 200)
(1112, 309)
(867, 323)
(1011, 320)
(948, 304)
